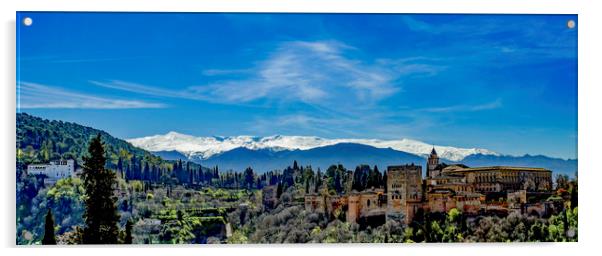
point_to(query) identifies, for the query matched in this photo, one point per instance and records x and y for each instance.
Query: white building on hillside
(54, 171)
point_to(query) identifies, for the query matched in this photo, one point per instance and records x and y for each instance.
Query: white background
(589, 146)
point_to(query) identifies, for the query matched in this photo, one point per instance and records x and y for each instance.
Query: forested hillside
(42, 140)
(140, 174)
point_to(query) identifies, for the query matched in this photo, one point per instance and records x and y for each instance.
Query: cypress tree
(279, 190)
(574, 200)
(101, 212)
(128, 173)
(120, 163)
(249, 178)
(319, 178)
(49, 230)
(120, 166)
(146, 172)
(338, 187)
(133, 172)
(307, 186)
(385, 180)
(128, 232)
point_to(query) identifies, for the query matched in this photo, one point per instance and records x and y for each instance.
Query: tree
(574, 200)
(49, 229)
(279, 190)
(307, 186)
(378, 177)
(128, 232)
(249, 178)
(374, 178)
(338, 187)
(574, 192)
(562, 181)
(357, 177)
(101, 211)
(385, 180)
(453, 224)
(318, 182)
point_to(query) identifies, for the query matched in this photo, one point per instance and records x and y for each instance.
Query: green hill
(41, 140)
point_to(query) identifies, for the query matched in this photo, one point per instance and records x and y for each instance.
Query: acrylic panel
(195, 128)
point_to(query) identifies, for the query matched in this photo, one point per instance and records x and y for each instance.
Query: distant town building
(53, 171)
(493, 189)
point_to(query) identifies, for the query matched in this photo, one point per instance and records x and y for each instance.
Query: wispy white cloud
(464, 108)
(425, 66)
(323, 74)
(148, 90)
(333, 126)
(34, 95)
(343, 90)
(221, 72)
(375, 124)
(310, 72)
(417, 25)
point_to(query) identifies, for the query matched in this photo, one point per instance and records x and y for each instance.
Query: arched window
(368, 203)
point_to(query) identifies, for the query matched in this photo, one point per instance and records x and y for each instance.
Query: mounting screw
(570, 24)
(27, 21)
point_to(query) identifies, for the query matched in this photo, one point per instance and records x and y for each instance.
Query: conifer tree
(49, 230)
(574, 200)
(101, 212)
(385, 180)
(338, 187)
(319, 177)
(249, 177)
(307, 186)
(128, 232)
(120, 165)
(279, 190)
(146, 172)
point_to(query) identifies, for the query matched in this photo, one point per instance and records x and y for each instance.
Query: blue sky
(507, 83)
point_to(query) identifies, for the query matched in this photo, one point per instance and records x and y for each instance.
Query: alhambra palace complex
(481, 190)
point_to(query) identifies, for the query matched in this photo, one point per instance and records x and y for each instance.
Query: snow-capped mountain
(206, 147)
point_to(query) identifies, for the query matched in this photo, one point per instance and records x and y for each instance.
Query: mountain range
(276, 152)
(206, 147)
(39, 139)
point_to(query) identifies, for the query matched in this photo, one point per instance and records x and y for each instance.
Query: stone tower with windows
(404, 191)
(432, 162)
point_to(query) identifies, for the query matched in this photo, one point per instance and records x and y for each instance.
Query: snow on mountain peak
(205, 147)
